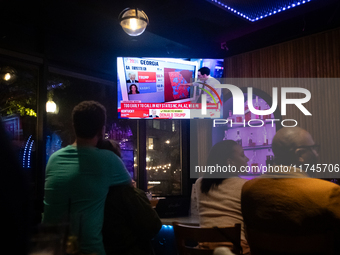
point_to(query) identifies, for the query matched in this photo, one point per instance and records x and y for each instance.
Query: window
(18, 112)
(163, 166)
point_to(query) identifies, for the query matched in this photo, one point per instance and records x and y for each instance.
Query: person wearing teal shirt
(78, 178)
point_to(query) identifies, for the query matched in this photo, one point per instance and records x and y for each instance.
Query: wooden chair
(262, 243)
(195, 234)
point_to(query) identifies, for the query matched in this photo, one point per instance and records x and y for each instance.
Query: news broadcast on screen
(163, 88)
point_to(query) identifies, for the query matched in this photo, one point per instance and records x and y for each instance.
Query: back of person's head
(204, 70)
(219, 154)
(110, 145)
(291, 145)
(89, 118)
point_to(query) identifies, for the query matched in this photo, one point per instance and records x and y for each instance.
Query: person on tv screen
(133, 89)
(132, 78)
(154, 114)
(205, 79)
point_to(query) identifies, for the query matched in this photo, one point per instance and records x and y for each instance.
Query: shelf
(257, 147)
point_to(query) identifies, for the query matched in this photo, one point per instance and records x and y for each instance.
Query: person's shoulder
(321, 185)
(106, 154)
(237, 180)
(253, 184)
(213, 80)
(63, 151)
(109, 159)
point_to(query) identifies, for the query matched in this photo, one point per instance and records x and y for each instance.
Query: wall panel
(315, 56)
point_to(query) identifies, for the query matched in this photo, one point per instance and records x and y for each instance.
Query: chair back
(262, 243)
(194, 234)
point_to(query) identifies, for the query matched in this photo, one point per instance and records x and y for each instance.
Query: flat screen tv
(157, 87)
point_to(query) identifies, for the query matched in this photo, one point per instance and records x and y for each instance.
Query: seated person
(219, 200)
(78, 178)
(290, 202)
(129, 220)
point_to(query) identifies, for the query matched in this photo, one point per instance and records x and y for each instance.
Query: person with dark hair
(204, 79)
(111, 145)
(133, 89)
(130, 222)
(219, 199)
(78, 178)
(288, 201)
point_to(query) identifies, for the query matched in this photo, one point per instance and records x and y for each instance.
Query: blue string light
(25, 151)
(29, 155)
(265, 11)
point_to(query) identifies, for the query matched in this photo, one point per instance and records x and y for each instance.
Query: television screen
(157, 87)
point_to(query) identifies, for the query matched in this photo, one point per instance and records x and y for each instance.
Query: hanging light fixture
(133, 21)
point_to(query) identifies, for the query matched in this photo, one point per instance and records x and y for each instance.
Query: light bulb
(51, 107)
(7, 77)
(133, 24)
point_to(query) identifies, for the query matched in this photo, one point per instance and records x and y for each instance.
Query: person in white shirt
(204, 79)
(219, 197)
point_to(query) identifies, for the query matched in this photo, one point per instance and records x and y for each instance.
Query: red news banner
(141, 110)
(147, 106)
(145, 77)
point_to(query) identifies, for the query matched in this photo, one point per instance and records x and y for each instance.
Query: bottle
(254, 163)
(265, 138)
(257, 107)
(231, 116)
(264, 117)
(247, 116)
(238, 138)
(250, 140)
(269, 158)
(225, 135)
(239, 119)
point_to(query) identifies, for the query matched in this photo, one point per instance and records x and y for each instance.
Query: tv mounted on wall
(158, 87)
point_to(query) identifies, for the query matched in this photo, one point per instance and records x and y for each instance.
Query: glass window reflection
(163, 166)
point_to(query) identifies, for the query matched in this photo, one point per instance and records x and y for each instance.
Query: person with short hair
(290, 201)
(154, 114)
(78, 178)
(132, 78)
(204, 79)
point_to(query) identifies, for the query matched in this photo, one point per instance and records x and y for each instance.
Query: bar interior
(156, 67)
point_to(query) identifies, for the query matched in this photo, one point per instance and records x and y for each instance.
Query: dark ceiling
(86, 33)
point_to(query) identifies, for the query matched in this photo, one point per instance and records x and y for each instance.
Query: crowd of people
(89, 190)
